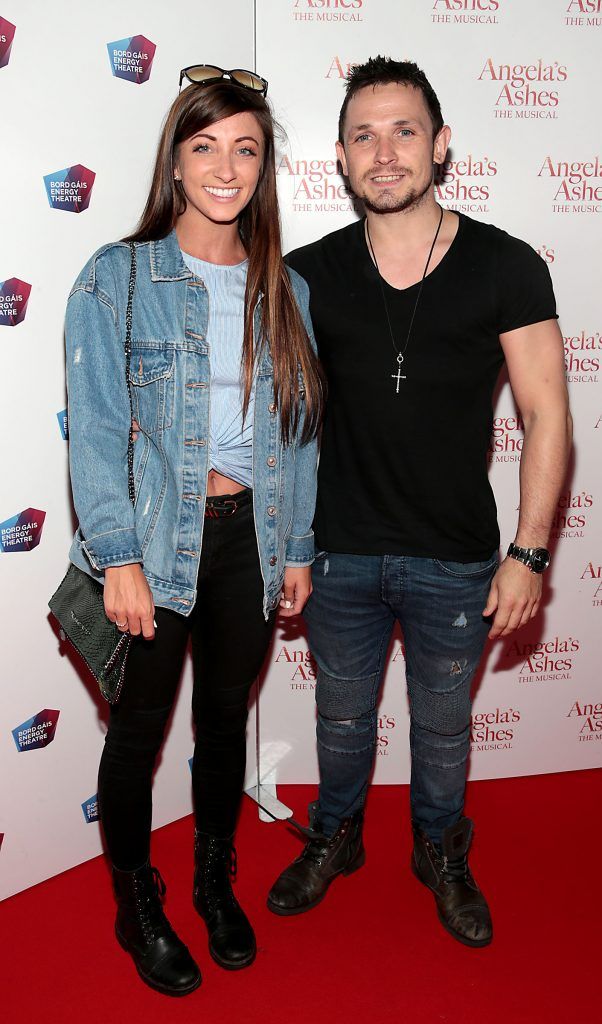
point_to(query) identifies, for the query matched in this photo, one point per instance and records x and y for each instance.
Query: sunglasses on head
(204, 74)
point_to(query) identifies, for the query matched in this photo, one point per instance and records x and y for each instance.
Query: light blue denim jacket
(170, 378)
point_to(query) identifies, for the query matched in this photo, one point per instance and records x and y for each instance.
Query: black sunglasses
(203, 74)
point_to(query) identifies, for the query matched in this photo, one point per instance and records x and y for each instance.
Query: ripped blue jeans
(351, 613)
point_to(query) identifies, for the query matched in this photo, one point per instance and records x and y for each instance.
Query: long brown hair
(282, 328)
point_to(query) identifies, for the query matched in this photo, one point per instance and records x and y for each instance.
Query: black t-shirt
(406, 473)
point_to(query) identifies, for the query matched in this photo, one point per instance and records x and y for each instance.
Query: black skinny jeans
(230, 638)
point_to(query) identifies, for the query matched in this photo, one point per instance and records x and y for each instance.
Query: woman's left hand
(296, 590)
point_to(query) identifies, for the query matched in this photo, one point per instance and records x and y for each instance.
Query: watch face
(540, 559)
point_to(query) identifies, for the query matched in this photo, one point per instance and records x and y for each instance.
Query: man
(415, 310)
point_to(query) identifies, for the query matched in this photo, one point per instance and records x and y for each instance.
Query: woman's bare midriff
(218, 484)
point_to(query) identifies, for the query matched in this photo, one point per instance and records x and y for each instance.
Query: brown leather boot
(461, 906)
(305, 882)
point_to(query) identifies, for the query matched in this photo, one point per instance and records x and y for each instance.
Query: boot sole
(228, 965)
(473, 943)
(153, 984)
(292, 911)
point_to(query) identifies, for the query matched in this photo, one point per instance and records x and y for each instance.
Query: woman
(226, 396)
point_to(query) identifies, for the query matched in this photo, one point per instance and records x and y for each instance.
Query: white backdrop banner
(83, 95)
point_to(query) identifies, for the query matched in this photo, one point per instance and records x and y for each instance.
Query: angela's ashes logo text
(385, 726)
(545, 660)
(465, 12)
(576, 184)
(582, 354)
(583, 13)
(465, 185)
(493, 730)
(589, 719)
(302, 667)
(317, 185)
(507, 439)
(525, 90)
(571, 514)
(328, 10)
(592, 573)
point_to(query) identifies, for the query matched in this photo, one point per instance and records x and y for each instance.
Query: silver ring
(120, 625)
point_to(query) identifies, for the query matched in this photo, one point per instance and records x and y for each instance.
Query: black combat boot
(305, 882)
(461, 906)
(161, 958)
(231, 938)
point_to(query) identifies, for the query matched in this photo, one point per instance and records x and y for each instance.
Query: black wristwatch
(536, 559)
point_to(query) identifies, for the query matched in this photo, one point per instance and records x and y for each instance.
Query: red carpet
(372, 951)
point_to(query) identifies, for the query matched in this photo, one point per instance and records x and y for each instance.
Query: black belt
(219, 506)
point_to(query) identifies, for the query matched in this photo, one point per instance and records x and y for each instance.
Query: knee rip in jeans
(341, 736)
(458, 667)
(363, 723)
(446, 713)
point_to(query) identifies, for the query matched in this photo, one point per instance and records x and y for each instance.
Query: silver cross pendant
(399, 375)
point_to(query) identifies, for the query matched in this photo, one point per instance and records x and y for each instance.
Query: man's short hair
(384, 71)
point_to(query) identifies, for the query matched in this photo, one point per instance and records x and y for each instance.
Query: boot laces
(220, 869)
(315, 851)
(150, 909)
(317, 847)
(455, 870)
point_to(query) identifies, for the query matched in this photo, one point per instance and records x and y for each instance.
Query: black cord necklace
(400, 354)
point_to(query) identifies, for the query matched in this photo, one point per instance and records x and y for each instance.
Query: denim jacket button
(272, 407)
(271, 510)
(273, 560)
(271, 460)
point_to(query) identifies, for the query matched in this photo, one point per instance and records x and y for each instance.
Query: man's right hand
(128, 600)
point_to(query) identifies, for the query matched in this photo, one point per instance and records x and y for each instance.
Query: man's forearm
(545, 456)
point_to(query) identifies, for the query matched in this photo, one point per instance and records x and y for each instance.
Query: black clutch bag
(78, 604)
(78, 607)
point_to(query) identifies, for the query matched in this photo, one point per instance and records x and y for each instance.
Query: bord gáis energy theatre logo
(7, 34)
(14, 296)
(70, 189)
(132, 59)
(22, 532)
(36, 732)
